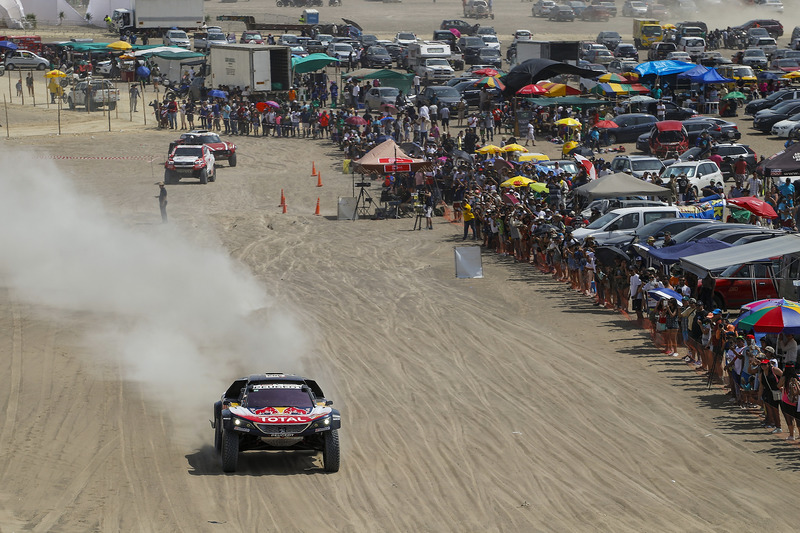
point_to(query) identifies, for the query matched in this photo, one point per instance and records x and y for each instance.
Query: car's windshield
(255, 36)
(646, 164)
(754, 53)
(378, 51)
(406, 36)
(435, 61)
(342, 47)
(189, 151)
(389, 91)
(278, 397)
(602, 221)
(491, 52)
(177, 34)
(216, 36)
(688, 170)
(210, 138)
(445, 91)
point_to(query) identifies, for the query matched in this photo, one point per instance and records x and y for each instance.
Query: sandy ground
(500, 404)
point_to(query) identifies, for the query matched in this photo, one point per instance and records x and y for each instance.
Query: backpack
(793, 390)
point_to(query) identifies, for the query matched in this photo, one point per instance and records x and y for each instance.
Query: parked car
(623, 222)
(659, 51)
(773, 27)
(713, 59)
(491, 41)
(783, 128)
(767, 44)
(477, 9)
(699, 173)
(637, 165)
(741, 284)
(561, 13)
(632, 8)
(441, 94)
(679, 56)
(629, 127)
(668, 137)
(490, 56)
(541, 8)
(609, 39)
(25, 60)
(595, 13)
(376, 57)
(720, 130)
(601, 56)
(673, 110)
(775, 98)
(404, 38)
(176, 38)
(380, 95)
(657, 229)
(94, 94)
(611, 7)
(620, 66)
(577, 7)
(626, 50)
(486, 30)
(604, 205)
(729, 152)
(463, 27)
(766, 118)
(471, 47)
(251, 37)
(340, 51)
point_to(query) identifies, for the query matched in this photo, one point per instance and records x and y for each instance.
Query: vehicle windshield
(406, 36)
(378, 51)
(278, 398)
(189, 151)
(442, 62)
(754, 53)
(647, 164)
(446, 91)
(491, 52)
(743, 72)
(342, 47)
(216, 36)
(688, 170)
(177, 34)
(602, 221)
(490, 39)
(256, 36)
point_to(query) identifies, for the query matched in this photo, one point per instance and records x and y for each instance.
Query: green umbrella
(735, 94)
(539, 187)
(311, 63)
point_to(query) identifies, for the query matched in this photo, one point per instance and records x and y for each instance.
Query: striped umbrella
(778, 319)
(487, 71)
(491, 83)
(532, 89)
(768, 303)
(610, 77)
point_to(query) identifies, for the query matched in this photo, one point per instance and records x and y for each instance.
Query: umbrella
(356, 121)
(389, 108)
(119, 45)
(143, 71)
(271, 103)
(778, 319)
(734, 95)
(789, 75)
(532, 89)
(486, 71)
(758, 305)
(570, 122)
(9, 45)
(455, 32)
(607, 124)
(514, 148)
(612, 78)
(216, 93)
(533, 157)
(461, 154)
(510, 199)
(538, 187)
(55, 74)
(585, 151)
(631, 75)
(489, 149)
(491, 83)
(386, 119)
(607, 254)
(517, 181)
(660, 294)
(641, 99)
(755, 205)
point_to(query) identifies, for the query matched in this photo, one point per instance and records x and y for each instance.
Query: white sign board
(347, 208)
(469, 262)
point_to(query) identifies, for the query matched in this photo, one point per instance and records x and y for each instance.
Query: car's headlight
(242, 423)
(324, 422)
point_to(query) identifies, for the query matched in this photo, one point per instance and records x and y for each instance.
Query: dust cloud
(179, 317)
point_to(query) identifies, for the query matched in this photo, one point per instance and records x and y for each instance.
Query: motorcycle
(334, 3)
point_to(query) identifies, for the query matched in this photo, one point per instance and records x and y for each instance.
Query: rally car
(194, 161)
(222, 150)
(275, 411)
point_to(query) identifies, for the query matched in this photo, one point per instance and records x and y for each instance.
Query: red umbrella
(356, 121)
(455, 32)
(389, 108)
(606, 124)
(532, 89)
(755, 205)
(486, 71)
(261, 106)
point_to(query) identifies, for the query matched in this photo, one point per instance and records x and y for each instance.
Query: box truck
(565, 51)
(147, 15)
(646, 32)
(260, 67)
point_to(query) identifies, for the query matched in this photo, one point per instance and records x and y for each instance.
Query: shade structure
(784, 163)
(489, 149)
(663, 68)
(620, 184)
(517, 181)
(755, 205)
(620, 88)
(672, 254)
(534, 70)
(532, 89)
(216, 93)
(558, 89)
(514, 148)
(388, 77)
(119, 45)
(311, 63)
(486, 72)
(9, 45)
(665, 294)
(387, 158)
(778, 319)
(702, 264)
(606, 124)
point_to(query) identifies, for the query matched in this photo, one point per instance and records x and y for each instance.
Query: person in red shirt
(740, 171)
(324, 121)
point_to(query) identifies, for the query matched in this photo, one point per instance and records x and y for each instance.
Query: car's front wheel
(232, 160)
(41, 66)
(10, 66)
(71, 103)
(230, 451)
(204, 176)
(330, 451)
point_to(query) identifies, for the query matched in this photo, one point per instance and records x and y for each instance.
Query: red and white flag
(585, 163)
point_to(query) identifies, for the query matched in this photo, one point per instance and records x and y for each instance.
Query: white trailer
(430, 61)
(144, 15)
(260, 67)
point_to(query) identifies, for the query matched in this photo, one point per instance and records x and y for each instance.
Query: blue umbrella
(660, 294)
(216, 93)
(143, 72)
(9, 45)
(387, 119)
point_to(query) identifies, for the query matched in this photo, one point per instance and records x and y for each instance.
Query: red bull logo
(266, 411)
(295, 411)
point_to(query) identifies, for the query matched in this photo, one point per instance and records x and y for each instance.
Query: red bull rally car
(275, 411)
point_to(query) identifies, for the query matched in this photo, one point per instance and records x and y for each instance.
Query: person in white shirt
(754, 185)
(788, 347)
(531, 134)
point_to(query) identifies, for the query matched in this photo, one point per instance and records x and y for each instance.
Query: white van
(623, 221)
(694, 46)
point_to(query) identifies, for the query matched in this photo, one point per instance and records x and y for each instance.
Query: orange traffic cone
(283, 200)
(319, 179)
(284, 208)
(313, 169)
(317, 210)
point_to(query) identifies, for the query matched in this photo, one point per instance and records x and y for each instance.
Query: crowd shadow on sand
(206, 462)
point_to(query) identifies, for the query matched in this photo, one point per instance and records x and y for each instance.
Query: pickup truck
(434, 70)
(102, 93)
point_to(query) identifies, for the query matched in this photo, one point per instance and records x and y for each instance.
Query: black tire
(612, 139)
(213, 177)
(330, 451)
(170, 177)
(71, 104)
(204, 176)
(41, 66)
(232, 160)
(10, 67)
(230, 451)
(112, 106)
(217, 432)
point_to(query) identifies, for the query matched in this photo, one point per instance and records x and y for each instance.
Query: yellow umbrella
(126, 56)
(489, 149)
(567, 147)
(119, 45)
(533, 157)
(792, 75)
(514, 148)
(517, 181)
(570, 122)
(538, 187)
(55, 74)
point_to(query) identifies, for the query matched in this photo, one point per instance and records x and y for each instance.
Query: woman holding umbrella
(769, 377)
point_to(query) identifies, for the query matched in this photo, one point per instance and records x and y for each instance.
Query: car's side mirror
(329, 403)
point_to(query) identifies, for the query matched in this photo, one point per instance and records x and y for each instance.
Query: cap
(717, 311)
(751, 336)
(769, 349)
(764, 361)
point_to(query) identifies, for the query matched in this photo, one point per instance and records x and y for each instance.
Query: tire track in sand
(14, 382)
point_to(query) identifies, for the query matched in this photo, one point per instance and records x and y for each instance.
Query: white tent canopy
(702, 264)
(12, 13)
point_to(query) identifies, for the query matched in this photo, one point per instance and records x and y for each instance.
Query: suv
(190, 160)
(632, 8)
(773, 99)
(376, 57)
(471, 48)
(176, 38)
(725, 151)
(477, 9)
(700, 173)
(23, 59)
(542, 8)
(102, 94)
(609, 39)
(221, 150)
(561, 14)
(275, 411)
(773, 27)
(766, 118)
(464, 28)
(637, 165)
(659, 51)
(441, 94)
